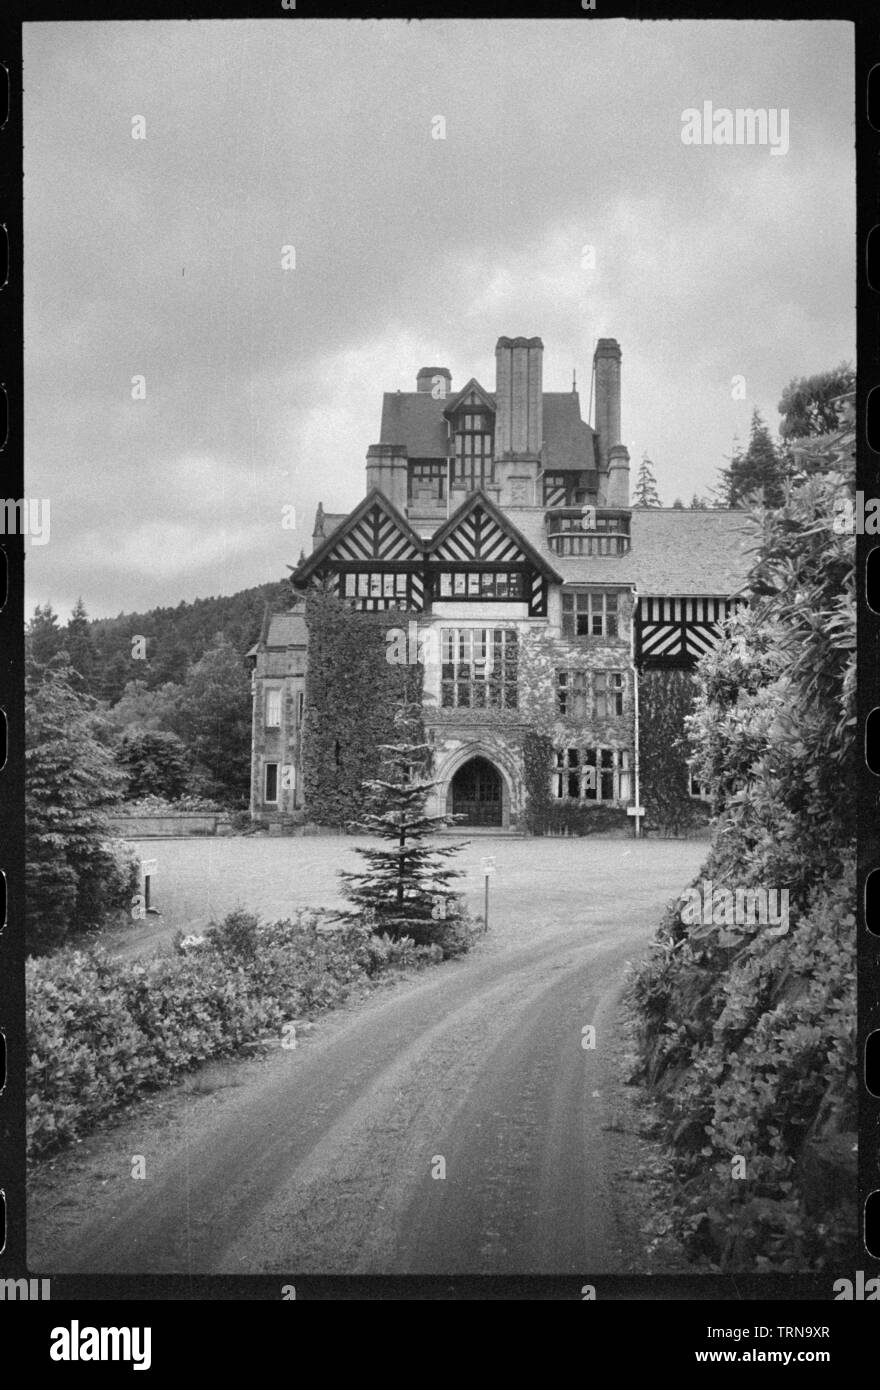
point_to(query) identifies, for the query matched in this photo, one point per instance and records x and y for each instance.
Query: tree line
(809, 406)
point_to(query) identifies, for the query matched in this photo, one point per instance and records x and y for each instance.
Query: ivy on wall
(351, 694)
(665, 699)
(544, 814)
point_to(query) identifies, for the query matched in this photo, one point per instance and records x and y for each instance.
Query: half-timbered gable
(481, 556)
(678, 631)
(373, 558)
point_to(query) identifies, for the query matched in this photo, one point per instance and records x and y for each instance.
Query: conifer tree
(646, 494)
(80, 647)
(758, 473)
(74, 879)
(405, 889)
(43, 639)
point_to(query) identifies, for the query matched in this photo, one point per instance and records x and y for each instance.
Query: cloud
(163, 257)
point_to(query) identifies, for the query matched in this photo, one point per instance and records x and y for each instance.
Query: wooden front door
(476, 793)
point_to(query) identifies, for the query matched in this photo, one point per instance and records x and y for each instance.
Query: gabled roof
(418, 422)
(455, 401)
(374, 498)
(569, 442)
(539, 557)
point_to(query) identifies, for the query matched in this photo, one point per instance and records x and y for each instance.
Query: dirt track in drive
(320, 1159)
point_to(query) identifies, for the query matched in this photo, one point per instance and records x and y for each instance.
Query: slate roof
(287, 630)
(675, 552)
(569, 442)
(415, 419)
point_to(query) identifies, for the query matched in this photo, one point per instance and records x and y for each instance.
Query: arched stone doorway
(477, 793)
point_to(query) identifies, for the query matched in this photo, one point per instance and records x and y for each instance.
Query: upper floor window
(487, 584)
(479, 668)
(590, 613)
(608, 691)
(376, 588)
(273, 709)
(427, 480)
(570, 489)
(473, 465)
(571, 694)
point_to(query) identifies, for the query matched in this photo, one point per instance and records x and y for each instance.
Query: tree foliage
(155, 764)
(75, 876)
(747, 1036)
(645, 493)
(756, 475)
(810, 404)
(212, 714)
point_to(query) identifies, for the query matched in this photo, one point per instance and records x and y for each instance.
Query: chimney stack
(387, 467)
(606, 362)
(436, 380)
(519, 400)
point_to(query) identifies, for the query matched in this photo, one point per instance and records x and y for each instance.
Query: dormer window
(473, 465)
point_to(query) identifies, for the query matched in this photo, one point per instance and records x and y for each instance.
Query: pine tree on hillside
(80, 647)
(43, 639)
(405, 889)
(646, 494)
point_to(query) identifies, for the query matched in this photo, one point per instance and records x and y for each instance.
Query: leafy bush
(747, 1037)
(102, 1031)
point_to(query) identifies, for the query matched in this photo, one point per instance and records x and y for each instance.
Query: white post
(635, 679)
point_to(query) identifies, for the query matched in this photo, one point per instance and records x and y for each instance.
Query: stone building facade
(498, 524)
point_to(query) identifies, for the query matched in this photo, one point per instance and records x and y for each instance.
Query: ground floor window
(592, 774)
(479, 668)
(696, 788)
(270, 781)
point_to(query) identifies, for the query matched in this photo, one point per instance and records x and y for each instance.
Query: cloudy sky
(162, 257)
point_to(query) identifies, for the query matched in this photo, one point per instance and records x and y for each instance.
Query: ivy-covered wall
(665, 699)
(546, 652)
(351, 694)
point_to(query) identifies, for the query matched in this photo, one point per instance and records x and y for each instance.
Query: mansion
(498, 524)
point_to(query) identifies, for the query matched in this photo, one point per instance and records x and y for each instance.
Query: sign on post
(488, 863)
(148, 869)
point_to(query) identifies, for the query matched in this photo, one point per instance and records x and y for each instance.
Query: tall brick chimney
(519, 419)
(606, 362)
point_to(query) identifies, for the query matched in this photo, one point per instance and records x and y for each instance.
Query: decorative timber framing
(364, 558)
(676, 632)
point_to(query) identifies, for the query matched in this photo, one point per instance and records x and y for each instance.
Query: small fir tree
(405, 889)
(646, 494)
